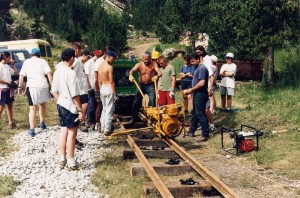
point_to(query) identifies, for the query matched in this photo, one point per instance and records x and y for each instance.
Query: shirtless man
(146, 70)
(108, 93)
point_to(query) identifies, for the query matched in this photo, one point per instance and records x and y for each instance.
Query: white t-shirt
(78, 67)
(98, 62)
(208, 63)
(228, 81)
(64, 82)
(90, 71)
(35, 69)
(5, 74)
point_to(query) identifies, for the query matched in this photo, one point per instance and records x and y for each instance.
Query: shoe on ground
(42, 125)
(72, 167)
(31, 132)
(12, 126)
(203, 139)
(190, 134)
(62, 163)
(212, 128)
(97, 126)
(78, 143)
(84, 128)
(223, 110)
(107, 133)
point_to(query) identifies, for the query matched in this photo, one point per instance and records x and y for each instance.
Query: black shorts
(186, 85)
(28, 97)
(5, 97)
(66, 118)
(84, 98)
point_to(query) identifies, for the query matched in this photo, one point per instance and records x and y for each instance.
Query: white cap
(214, 58)
(229, 55)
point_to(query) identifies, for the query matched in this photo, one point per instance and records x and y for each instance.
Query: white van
(28, 45)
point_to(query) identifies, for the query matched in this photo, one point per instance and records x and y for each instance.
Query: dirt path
(139, 49)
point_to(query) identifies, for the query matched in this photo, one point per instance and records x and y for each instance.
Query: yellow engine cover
(169, 125)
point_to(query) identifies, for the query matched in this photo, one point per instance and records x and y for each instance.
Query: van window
(18, 57)
(48, 48)
(43, 50)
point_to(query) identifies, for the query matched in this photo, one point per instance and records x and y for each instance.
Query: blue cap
(111, 53)
(35, 51)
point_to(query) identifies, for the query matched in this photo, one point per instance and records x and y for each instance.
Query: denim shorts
(185, 85)
(66, 118)
(226, 91)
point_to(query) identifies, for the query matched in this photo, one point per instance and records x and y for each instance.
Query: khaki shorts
(226, 91)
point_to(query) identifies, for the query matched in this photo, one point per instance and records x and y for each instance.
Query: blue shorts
(66, 118)
(186, 85)
(5, 97)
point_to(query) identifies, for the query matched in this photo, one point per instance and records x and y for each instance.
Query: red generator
(243, 140)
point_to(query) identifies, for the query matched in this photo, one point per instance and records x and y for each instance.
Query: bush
(287, 65)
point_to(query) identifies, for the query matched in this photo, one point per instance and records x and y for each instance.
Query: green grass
(177, 63)
(8, 185)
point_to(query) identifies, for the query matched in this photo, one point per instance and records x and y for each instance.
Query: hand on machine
(131, 78)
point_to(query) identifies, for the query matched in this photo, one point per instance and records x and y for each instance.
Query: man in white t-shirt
(78, 67)
(227, 85)
(37, 87)
(92, 104)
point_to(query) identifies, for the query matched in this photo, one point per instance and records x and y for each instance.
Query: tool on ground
(173, 161)
(245, 139)
(189, 181)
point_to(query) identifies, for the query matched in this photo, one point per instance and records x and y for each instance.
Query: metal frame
(236, 131)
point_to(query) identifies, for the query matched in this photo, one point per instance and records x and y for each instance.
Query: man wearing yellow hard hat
(155, 55)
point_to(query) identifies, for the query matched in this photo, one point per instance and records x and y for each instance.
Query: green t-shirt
(165, 81)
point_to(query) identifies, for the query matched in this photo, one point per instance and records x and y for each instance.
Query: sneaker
(31, 132)
(212, 128)
(203, 139)
(72, 167)
(62, 163)
(42, 125)
(12, 126)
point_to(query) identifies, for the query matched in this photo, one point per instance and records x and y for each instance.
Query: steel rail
(218, 184)
(159, 184)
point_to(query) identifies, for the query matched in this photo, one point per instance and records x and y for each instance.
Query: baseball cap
(85, 52)
(229, 55)
(214, 58)
(111, 53)
(155, 55)
(97, 52)
(35, 51)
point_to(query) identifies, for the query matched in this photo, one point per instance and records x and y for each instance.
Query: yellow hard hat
(155, 55)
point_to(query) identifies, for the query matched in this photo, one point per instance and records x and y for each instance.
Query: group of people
(198, 84)
(84, 89)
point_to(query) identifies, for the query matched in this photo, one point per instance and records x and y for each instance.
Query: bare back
(146, 72)
(105, 71)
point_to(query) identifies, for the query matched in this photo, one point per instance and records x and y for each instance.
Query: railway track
(186, 158)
